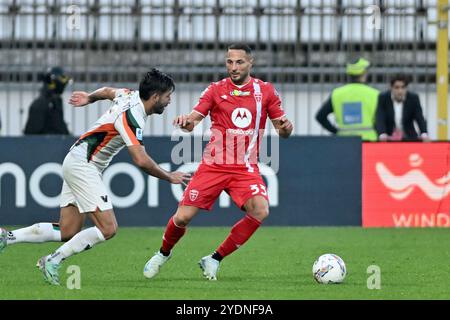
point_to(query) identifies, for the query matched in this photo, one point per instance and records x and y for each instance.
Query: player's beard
(240, 80)
(159, 107)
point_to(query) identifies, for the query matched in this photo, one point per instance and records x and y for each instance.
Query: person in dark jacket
(397, 113)
(45, 115)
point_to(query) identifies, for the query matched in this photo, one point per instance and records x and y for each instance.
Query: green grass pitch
(275, 264)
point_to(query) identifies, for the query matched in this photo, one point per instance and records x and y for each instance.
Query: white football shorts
(83, 186)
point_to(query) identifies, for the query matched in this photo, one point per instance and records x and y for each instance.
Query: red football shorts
(208, 182)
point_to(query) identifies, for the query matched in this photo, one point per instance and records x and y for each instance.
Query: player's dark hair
(400, 77)
(241, 46)
(155, 81)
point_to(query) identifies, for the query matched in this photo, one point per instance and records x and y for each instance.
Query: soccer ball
(329, 268)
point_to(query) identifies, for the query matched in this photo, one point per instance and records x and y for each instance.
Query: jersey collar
(142, 106)
(240, 87)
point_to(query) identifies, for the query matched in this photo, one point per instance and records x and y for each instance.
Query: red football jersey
(238, 118)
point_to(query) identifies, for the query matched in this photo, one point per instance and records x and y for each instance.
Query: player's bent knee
(184, 216)
(181, 220)
(68, 233)
(260, 213)
(109, 231)
(67, 236)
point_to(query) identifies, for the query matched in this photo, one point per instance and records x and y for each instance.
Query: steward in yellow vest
(354, 105)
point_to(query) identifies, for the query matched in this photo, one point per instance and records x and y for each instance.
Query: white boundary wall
(300, 104)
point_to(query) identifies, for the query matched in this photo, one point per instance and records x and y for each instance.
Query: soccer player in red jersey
(238, 106)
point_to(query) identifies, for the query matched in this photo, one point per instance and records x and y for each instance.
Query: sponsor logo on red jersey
(239, 93)
(241, 117)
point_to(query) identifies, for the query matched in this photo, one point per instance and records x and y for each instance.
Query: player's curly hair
(155, 81)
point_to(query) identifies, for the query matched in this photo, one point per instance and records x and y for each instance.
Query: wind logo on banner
(402, 186)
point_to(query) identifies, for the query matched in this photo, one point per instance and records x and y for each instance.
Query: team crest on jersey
(258, 97)
(241, 117)
(239, 93)
(193, 194)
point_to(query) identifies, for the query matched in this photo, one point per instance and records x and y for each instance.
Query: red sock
(239, 234)
(171, 236)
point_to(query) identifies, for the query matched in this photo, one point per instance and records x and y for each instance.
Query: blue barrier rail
(318, 183)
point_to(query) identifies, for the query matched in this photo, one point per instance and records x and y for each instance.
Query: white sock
(83, 240)
(39, 232)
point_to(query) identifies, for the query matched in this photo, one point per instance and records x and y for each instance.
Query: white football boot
(50, 270)
(153, 265)
(210, 267)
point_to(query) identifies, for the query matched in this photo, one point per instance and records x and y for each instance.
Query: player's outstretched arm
(82, 98)
(284, 127)
(148, 165)
(188, 121)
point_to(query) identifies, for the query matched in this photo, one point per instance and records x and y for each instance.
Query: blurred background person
(398, 110)
(353, 105)
(46, 115)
